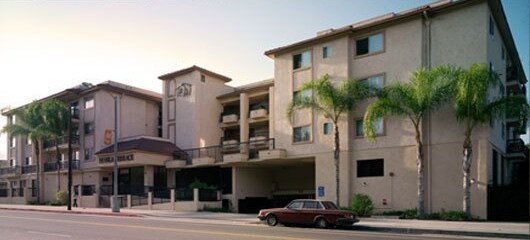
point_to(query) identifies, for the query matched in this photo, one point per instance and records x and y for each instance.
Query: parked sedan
(322, 214)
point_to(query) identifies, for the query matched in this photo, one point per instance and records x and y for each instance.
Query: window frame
(327, 128)
(90, 153)
(382, 133)
(93, 129)
(89, 99)
(327, 52)
(302, 140)
(381, 75)
(300, 66)
(367, 37)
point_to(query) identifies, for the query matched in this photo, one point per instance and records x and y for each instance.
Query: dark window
(89, 128)
(203, 78)
(369, 44)
(89, 154)
(327, 128)
(302, 134)
(310, 205)
(370, 168)
(295, 205)
(326, 52)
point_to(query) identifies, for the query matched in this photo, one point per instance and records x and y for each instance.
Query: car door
(308, 212)
(291, 214)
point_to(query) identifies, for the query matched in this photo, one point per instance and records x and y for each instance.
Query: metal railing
(139, 199)
(515, 145)
(62, 165)
(29, 169)
(217, 152)
(17, 192)
(61, 140)
(208, 195)
(184, 194)
(10, 170)
(161, 195)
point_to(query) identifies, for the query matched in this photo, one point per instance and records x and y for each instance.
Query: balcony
(62, 142)
(29, 169)
(231, 118)
(63, 165)
(516, 148)
(10, 172)
(259, 114)
(258, 148)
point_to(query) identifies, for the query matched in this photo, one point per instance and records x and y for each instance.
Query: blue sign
(321, 192)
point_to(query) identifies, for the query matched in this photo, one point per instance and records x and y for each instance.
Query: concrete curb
(439, 231)
(75, 212)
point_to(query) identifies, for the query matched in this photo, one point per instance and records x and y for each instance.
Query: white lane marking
(51, 234)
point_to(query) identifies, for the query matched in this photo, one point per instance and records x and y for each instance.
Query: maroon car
(322, 214)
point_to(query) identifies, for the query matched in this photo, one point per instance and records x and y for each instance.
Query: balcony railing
(515, 146)
(61, 140)
(251, 148)
(29, 169)
(10, 170)
(63, 165)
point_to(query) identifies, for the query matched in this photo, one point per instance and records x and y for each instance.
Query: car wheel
(271, 220)
(321, 223)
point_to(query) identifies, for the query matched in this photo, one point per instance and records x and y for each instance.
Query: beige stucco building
(239, 140)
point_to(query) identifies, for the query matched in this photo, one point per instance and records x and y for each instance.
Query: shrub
(200, 185)
(60, 199)
(362, 205)
(213, 209)
(403, 214)
(449, 216)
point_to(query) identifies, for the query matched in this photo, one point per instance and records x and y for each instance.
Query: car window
(294, 205)
(319, 206)
(329, 205)
(310, 204)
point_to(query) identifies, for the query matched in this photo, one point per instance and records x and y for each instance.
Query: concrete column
(196, 198)
(150, 200)
(129, 201)
(171, 179)
(172, 197)
(149, 175)
(271, 114)
(243, 122)
(79, 195)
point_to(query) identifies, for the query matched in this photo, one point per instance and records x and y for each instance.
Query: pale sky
(48, 46)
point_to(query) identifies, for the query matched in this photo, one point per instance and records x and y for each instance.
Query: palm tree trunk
(58, 157)
(336, 158)
(37, 158)
(421, 172)
(466, 169)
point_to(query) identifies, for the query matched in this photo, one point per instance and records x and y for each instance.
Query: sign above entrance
(121, 158)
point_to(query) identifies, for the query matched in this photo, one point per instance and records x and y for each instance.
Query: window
(311, 205)
(327, 52)
(302, 60)
(76, 156)
(203, 78)
(327, 128)
(491, 27)
(89, 128)
(12, 162)
(303, 94)
(378, 125)
(370, 168)
(12, 142)
(28, 141)
(375, 81)
(295, 205)
(89, 102)
(89, 154)
(369, 44)
(302, 134)
(491, 67)
(28, 161)
(503, 131)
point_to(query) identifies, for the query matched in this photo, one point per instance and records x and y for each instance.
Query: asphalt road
(29, 225)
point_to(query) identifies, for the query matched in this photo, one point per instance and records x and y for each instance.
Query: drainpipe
(427, 64)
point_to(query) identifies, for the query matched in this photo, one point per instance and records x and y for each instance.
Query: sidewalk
(481, 229)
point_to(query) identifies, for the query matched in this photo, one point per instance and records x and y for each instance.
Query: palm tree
(39, 121)
(55, 114)
(30, 124)
(474, 107)
(426, 91)
(332, 102)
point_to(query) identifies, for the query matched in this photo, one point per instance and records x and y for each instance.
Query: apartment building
(239, 140)
(269, 160)
(92, 109)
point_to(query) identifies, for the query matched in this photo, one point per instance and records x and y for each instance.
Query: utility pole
(69, 198)
(116, 204)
